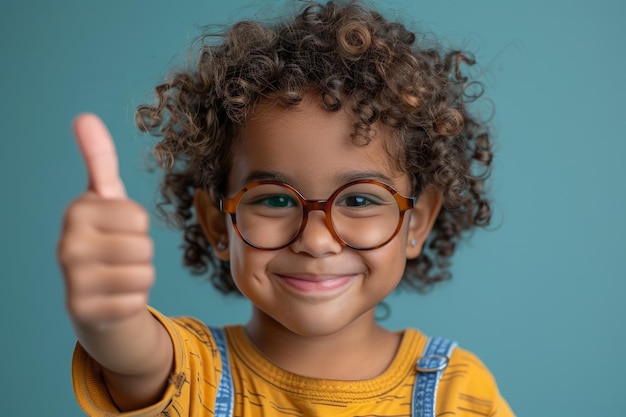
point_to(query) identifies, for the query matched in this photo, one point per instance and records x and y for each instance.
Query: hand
(104, 249)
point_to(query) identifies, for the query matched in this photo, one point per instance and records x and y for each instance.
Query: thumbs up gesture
(104, 249)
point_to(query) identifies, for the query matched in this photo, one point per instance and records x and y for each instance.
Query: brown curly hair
(351, 56)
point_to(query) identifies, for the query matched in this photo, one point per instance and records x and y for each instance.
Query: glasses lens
(269, 215)
(365, 215)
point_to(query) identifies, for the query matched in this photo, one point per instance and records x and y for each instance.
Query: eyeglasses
(362, 214)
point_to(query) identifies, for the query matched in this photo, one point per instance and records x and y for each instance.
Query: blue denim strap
(225, 397)
(430, 367)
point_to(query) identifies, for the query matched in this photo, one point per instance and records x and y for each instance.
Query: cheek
(237, 254)
(248, 266)
(394, 256)
(387, 264)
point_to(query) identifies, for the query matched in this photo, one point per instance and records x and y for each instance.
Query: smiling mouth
(315, 284)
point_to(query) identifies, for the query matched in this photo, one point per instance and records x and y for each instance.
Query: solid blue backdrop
(539, 299)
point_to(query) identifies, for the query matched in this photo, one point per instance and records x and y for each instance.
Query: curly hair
(351, 56)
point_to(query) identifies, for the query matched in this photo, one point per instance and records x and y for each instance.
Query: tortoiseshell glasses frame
(231, 205)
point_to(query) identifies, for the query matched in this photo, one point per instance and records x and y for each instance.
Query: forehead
(311, 148)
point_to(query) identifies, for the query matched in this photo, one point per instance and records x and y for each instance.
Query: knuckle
(84, 212)
(148, 275)
(148, 248)
(70, 250)
(78, 309)
(138, 278)
(138, 216)
(84, 280)
(142, 249)
(76, 213)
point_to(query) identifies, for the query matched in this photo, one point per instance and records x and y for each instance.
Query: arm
(106, 257)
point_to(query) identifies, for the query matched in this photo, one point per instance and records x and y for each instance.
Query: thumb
(98, 151)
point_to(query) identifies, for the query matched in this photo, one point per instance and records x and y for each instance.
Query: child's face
(317, 286)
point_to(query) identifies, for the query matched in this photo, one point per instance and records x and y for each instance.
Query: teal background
(539, 299)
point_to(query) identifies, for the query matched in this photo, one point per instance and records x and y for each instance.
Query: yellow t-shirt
(466, 388)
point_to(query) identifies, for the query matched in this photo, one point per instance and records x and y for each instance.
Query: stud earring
(221, 245)
(413, 243)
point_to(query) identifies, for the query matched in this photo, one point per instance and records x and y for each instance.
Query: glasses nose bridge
(311, 205)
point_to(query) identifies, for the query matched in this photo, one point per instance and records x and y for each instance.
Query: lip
(315, 284)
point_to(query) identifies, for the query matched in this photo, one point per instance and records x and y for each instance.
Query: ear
(213, 223)
(421, 220)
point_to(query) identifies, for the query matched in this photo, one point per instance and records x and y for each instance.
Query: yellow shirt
(466, 388)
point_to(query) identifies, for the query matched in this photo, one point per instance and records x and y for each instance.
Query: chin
(322, 325)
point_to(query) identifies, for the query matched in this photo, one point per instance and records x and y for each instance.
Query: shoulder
(465, 368)
(468, 386)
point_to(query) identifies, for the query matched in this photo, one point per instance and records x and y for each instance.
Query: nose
(316, 239)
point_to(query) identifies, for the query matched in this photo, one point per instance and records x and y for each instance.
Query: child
(315, 165)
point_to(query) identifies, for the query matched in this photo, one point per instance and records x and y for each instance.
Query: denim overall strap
(225, 397)
(430, 367)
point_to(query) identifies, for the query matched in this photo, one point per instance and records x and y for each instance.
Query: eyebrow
(346, 177)
(340, 179)
(261, 175)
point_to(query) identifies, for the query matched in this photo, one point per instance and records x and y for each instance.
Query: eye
(358, 201)
(276, 201)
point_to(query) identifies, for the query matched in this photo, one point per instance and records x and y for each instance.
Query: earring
(413, 243)
(221, 245)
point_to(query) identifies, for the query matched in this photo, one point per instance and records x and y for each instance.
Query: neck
(361, 350)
